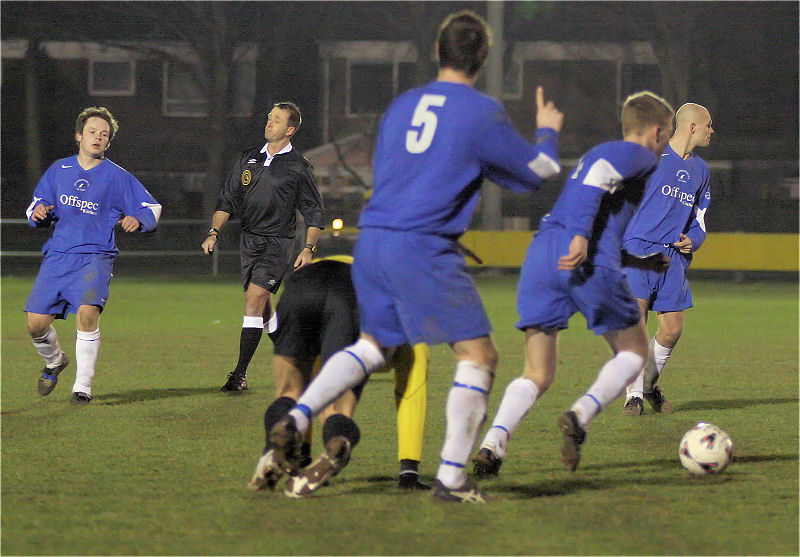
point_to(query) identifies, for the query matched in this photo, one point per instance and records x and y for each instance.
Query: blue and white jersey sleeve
(600, 196)
(138, 203)
(592, 178)
(696, 229)
(512, 162)
(602, 170)
(45, 194)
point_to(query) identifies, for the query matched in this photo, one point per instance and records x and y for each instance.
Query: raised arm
(512, 162)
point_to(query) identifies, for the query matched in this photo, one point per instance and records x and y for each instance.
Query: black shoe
(236, 383)
(633, 407)
(574, 436)
(80, 399)
(658, 401)
(410, 480)
(286, 441)
(467, 493)
(49, 378)
(487, 464)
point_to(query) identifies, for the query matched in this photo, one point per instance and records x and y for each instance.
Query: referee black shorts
(264, 260)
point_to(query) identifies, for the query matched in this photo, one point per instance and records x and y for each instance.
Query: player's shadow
(143, 395)
(721, 404)
(670, 463)
(762, 458)
(381, 485)
(560, 488)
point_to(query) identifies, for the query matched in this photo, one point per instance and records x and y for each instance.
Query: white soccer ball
(705, 449)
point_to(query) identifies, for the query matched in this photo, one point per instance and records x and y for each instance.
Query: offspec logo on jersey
(88, 207)
(674, 191)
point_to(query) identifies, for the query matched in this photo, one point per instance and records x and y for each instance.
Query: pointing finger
(539, 96)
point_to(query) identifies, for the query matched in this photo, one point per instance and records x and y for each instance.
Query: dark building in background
(343, 62)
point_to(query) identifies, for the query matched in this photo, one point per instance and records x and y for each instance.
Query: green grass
(159, 462)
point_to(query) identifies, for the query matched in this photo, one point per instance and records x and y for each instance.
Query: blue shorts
(547, 297)
(67, 281)
(668, 291)
(414, 288)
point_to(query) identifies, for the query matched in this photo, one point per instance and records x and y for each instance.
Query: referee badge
(246, 178)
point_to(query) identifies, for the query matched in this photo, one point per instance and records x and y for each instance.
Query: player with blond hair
(574, 264)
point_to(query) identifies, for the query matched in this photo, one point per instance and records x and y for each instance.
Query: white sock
(344, 370)
(610, 383)
(636, 388)
(48, 348)
(272, 324)
(657, 357)
(519, 398)
(87, 346)
(466, 412)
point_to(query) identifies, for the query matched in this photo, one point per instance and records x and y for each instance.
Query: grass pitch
(158, 463)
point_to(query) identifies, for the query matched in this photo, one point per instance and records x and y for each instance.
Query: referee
(265, 188)
(317, 316)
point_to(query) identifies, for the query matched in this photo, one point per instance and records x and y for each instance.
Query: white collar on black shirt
(269, 158)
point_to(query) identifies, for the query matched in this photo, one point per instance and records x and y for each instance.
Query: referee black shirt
(266, 197)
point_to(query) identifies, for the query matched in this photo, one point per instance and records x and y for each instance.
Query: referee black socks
(248, 342)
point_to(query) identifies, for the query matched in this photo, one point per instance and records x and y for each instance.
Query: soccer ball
(705, 449)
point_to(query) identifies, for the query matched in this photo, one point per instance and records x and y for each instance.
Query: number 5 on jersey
(419, 141)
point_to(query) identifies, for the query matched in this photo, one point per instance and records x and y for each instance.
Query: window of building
(182, 94)
(112, 77)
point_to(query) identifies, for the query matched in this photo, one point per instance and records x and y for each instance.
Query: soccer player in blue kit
(671, 220)
(435, 145)
(575, 264)
(84, 197)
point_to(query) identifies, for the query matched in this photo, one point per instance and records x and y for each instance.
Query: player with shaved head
(671, 220)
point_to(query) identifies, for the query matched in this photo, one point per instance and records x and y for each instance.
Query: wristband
(311, 247)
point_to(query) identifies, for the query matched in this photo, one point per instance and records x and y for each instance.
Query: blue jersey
(88, 204)
(600, 197)
(435, 145)
(675, 202)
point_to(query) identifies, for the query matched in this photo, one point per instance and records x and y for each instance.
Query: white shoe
(267, 472)
(325, 467)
